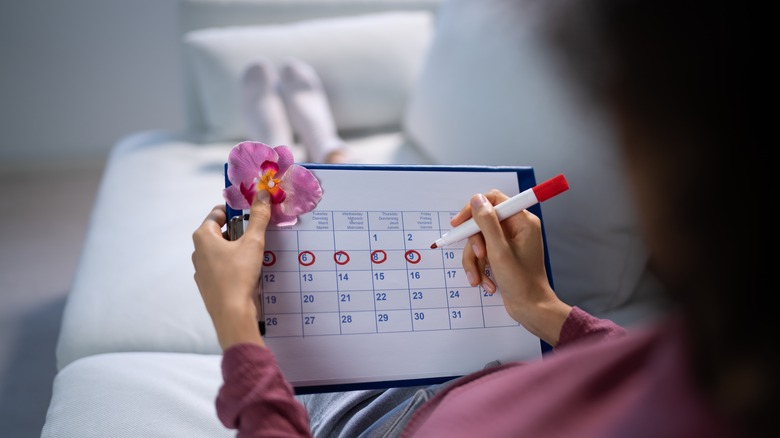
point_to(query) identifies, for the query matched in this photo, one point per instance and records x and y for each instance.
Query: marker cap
(551, 187)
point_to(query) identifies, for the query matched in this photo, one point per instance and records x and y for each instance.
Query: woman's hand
(514, 252)
(228, 272)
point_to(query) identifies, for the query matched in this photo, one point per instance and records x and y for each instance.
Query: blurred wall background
(77, 75)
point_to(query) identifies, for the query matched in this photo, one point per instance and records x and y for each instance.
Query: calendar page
(353, 296)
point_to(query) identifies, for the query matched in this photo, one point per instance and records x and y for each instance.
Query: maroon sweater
(598, 382)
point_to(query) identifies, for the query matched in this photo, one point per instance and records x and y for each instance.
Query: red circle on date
(378, 256)
(344, 260)
(269, 258)
(412, 256)
(302, 256)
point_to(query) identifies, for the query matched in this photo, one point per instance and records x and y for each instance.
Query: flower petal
(285, 159)
(303, 191)
(277, 195)
(248, 190)
(234, 198)
(278, 217)
(246, 159)
(269, 165)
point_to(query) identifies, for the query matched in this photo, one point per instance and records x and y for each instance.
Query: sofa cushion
(367, 64)
(137, 395)
(489, 93)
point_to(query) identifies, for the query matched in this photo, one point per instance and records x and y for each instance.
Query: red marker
(515, 204)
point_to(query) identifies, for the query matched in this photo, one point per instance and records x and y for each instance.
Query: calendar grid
(338, 292)
(368, 272)
(446, 283)
(373, 285)
(300, 285)
(408, 280)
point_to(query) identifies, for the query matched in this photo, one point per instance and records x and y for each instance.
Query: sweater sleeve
(255, 398)
(582, 325)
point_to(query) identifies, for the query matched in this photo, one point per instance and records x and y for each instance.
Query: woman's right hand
(514, 252)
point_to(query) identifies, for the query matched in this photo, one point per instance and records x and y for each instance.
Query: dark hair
(677, 74)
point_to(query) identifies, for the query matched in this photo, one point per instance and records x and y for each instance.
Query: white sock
(262, 106)
(309, 111)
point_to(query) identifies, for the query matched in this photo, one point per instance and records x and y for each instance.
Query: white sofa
(452, 82)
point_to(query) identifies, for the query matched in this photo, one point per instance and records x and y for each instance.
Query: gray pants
(374, 413)
(366, 414)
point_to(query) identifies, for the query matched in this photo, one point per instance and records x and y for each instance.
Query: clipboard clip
(235, 226)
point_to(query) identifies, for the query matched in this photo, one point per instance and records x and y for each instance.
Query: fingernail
(262, 195)
(475, 248)
(478, 202)
(488, 287)
(470, 278)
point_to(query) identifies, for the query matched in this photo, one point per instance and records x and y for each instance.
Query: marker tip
(433, 246)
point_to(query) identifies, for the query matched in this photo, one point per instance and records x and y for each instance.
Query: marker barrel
(525, 199)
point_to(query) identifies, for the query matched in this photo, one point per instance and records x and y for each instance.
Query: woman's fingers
(487, 220)
(462, 216)
(492, 239)
(215, 220)
(259, 215)
(475, 259)
(471, 264)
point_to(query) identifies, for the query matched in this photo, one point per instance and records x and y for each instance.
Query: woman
(673, 77)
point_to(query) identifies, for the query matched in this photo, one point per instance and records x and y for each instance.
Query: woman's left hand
(228, 272)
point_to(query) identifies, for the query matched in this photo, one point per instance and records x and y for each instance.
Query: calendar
(353, 296)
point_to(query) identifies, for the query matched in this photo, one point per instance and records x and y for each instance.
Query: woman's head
(675, 77)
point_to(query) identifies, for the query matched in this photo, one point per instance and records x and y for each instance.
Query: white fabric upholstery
(489, 94)
(367, 64)
(137, 395)
(133, 288)
(199, 14)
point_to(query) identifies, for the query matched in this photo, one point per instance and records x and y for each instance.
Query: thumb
(259, 214)
(484, 215)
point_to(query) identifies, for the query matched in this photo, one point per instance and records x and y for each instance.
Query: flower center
(266, 181)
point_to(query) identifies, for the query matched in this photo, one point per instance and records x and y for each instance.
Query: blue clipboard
(525, 179)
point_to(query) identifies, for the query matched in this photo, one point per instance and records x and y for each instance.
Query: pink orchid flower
(254, 166)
